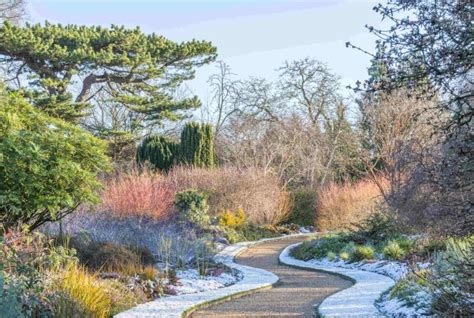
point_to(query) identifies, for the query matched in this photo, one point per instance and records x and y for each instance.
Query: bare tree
(222, 105)
(12, 10)
(312, 88)
(295, 128)
(397, 124)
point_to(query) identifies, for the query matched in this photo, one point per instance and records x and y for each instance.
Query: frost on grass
(392, 306)
(190, 281)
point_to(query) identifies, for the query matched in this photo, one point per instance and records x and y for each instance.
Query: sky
(253, 36)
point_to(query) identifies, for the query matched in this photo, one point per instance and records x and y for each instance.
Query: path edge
(198, 301)
(231, 263)
(286, 259)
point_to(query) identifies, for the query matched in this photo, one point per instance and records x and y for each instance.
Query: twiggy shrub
(259, 194)
(177, 251)
(137, 194)
(108, 257)
(340, 207)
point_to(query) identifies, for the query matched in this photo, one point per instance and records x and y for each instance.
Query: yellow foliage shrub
(233, 219)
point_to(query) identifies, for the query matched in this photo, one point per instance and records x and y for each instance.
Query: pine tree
(52, 61)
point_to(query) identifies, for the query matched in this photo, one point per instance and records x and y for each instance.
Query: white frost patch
(398, 308)
(175, 306)
(355, 301)
(191, 282)
(394, 270)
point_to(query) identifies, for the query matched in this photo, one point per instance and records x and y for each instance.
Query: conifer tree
(63, 69)
(161, 152)
(197, 145)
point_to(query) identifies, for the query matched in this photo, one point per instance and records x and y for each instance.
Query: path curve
(293, 296)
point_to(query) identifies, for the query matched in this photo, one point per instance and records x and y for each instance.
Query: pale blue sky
(253, 36)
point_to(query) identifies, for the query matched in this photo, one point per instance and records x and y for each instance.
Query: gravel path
(294, 296)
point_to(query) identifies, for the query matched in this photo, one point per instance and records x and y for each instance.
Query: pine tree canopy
(63, 68)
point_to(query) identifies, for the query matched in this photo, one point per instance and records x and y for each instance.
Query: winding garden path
(293, 296)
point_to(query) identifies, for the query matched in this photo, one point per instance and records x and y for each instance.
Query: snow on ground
(355, 301)
(397, 308)
(191, 282)
(396, 270)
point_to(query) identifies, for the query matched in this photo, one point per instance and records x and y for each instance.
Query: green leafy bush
(320, 248)
(10, 292)
(328, 244)
(47, 166)
(193, 207)
(350, 247)
(362, 253)
(344, 256)
(331, 256)
(405, 243)
(377, 227)
(251, 232)
(452, 278)
(393, 251)
(26, 261)
(233, 236)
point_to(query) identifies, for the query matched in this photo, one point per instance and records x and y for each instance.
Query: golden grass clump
(340, 206)
(85, 289)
